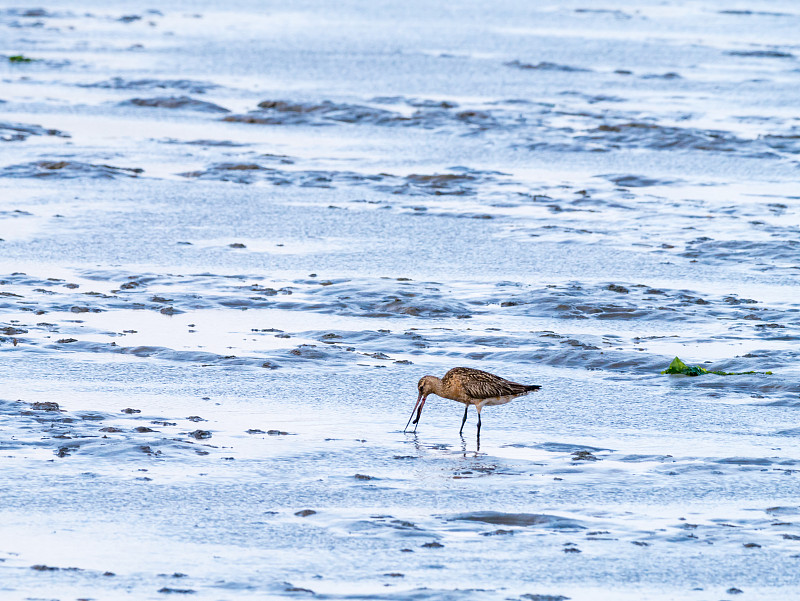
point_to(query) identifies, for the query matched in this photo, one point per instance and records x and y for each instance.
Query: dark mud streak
(591, 131)
(459, 182)
(519, 519)
(176, 102)
(121, 83)
(429, 114)
(761, 54)
(16, 132)
(64, 169)
(545, 66)
(653, 136)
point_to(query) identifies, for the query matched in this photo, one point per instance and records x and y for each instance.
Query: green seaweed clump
(18, 58)
(679, 367)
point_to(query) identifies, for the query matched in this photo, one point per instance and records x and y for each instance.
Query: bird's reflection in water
(464, 446)
(420, 447)
(416, 443)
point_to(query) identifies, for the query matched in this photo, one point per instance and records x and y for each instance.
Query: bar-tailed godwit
(471, 387)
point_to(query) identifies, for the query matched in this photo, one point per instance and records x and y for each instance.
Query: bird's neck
(438, 387)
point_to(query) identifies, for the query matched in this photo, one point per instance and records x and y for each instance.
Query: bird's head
(425, 386)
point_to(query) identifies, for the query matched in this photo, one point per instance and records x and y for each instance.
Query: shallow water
(234, 237)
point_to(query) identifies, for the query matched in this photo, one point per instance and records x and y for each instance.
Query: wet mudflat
(234, 237)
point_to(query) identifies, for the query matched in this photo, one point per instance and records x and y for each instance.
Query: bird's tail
(530, 387)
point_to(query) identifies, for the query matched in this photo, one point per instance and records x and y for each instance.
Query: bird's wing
(479, 384)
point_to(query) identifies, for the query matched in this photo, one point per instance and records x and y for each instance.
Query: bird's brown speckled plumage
(471, 387)
(478, 385)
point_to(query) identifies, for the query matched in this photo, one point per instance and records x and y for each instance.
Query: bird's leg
(463, 421)
(479, 423)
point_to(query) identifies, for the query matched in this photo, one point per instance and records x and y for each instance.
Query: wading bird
(471, 387)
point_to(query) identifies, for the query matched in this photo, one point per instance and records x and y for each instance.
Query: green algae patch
(18, 58)
(679, 367)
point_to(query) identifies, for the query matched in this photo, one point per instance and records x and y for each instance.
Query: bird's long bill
(418, 406)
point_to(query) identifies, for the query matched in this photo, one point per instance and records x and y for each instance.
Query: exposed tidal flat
(235, 235)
